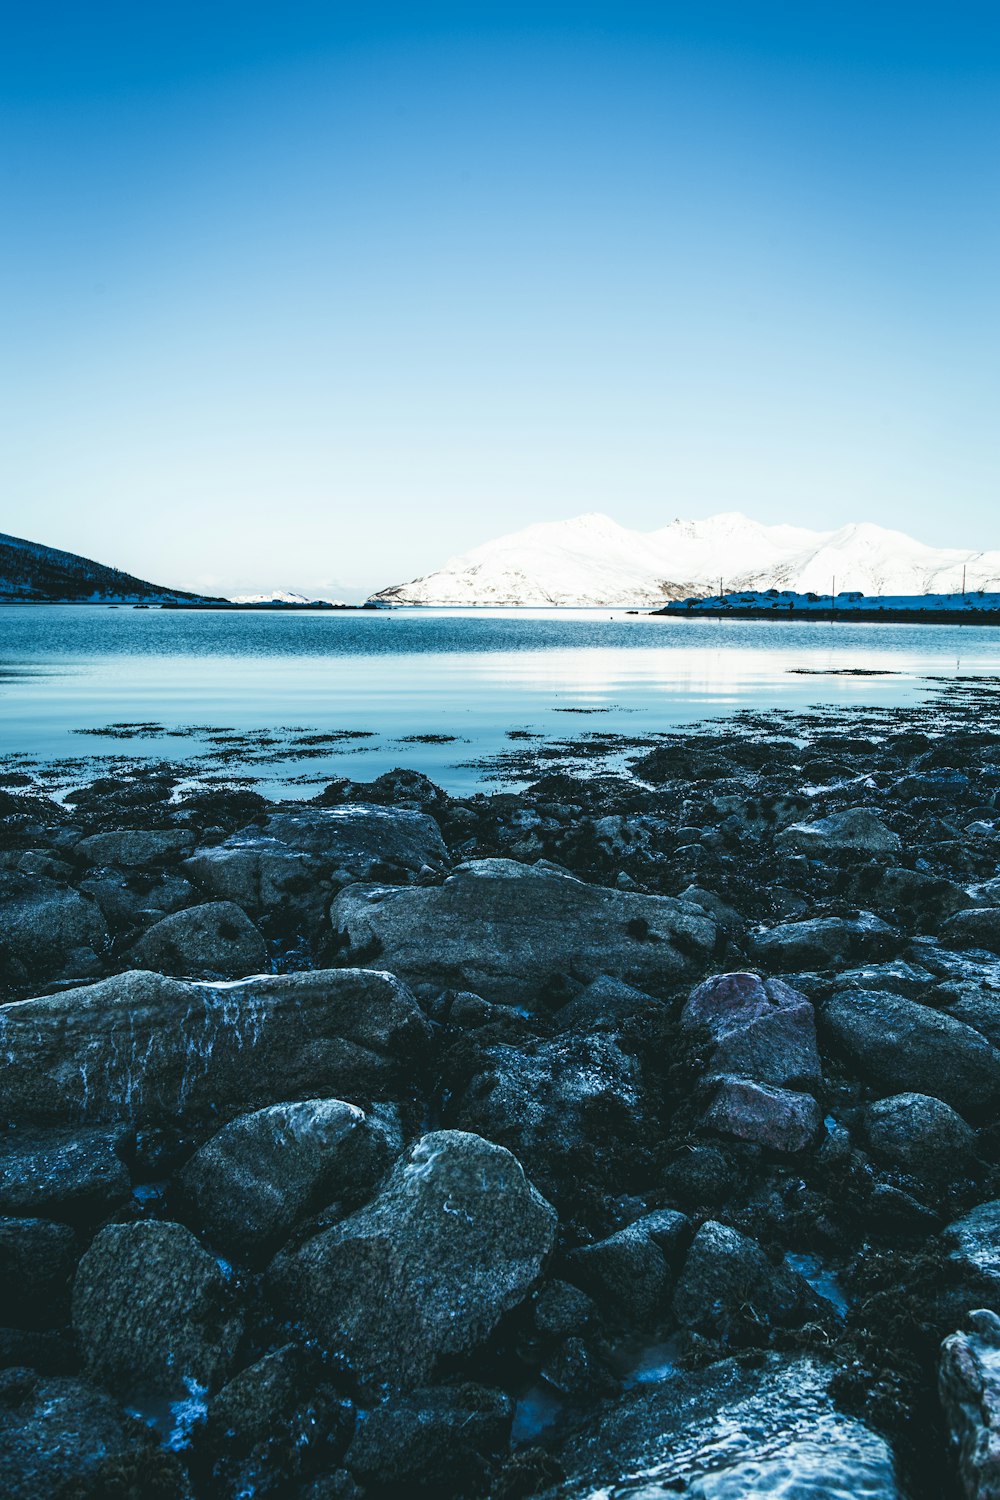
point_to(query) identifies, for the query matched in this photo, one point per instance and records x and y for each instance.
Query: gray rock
(216, 940)
(507, 931)
(781, 1119)
(251, 1183)
(354, 839)
(128, 902)
(727, 1276)
(129, 847)
(456, 1238)
(52, 934)
(61, 1437)
(75, 1174)
(760, 1027)
(603, 1005)
(978, 927)
(37, 1259)
(153, 1311)
(142, 1047)
(631, 1273)
(261, 876)
(969, 1383)
(858, 830)
(920, 1135)
(825, 942)
(432, 1441)
(728, 1432)
(906, 1047)
(974, 1241)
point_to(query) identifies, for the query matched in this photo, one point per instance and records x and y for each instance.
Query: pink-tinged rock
(761, 1027)
(778, 1118)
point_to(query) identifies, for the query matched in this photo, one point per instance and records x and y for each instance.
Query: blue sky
(313, 296)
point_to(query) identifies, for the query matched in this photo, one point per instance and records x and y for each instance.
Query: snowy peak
(592, 561)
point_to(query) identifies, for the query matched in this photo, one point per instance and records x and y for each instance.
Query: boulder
(456, 1238)
(727, 1276)
(261, 876)
(825, 942)
(355, 841)
(630, 1274)
(920, 1135)
(62, 1437)
(132, 847)
(435, 1442)
(978, 927)
(75, 1174)
(969, 1383)
(143, 1047)
(37, 1259)
(52, 933)
(907, 1047)
(507, 931)
(153, 1311)
(857, 830)
(974, 1242)
(250, 1184)
(761, 1028)
(781, 1119)
(216, 940)
(728, 1432)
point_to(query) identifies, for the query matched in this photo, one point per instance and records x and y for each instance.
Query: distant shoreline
(838, 614)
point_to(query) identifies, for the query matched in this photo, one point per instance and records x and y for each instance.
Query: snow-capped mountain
(592, 561)
(279, 596)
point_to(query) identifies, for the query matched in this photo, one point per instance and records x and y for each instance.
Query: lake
(298, 698)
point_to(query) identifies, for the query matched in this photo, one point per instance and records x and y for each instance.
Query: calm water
(394, 674)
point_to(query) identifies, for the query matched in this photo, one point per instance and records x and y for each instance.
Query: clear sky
(314, 295)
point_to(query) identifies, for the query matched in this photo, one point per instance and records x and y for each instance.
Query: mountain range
(591, 561)
(33, 574)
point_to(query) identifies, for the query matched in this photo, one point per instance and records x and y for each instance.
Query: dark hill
(33, 574)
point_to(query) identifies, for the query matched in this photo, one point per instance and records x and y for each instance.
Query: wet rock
(727, 1276)
(730, 1431)
(142, 1047)
(354, 840)
(37, 1259)
(216, 940)
(61, 1437)
(251, 1183)
(76, 1174)
(153, 1311)
(976, 928)
(128, 901)
(631, 1273)
(700, 1175)
(974, 1242)
(276, 1421)
(604, 1005)
(129, 847)
(781, 1119)
(508, 931)
(920, 1135)
(261, 876)
(907, 1047)
(825, 942)
(437, 1441)
(857, 830)
(456, 1238)
(760, 1027)
(560, 1106)
(52, 933)
(969, 1383)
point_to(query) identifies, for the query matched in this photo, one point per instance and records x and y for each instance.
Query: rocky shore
(629, 1135)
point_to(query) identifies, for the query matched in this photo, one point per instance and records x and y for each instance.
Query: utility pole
(833, 595)
(963, 580)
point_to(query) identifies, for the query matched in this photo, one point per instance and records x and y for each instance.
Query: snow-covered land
(279, 596)
(592, 561)
(785, 601)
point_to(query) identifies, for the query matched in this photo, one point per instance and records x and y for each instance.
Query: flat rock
(131, 847)
(249, 1184)
(728, 1432)
(908, 1048)
(142, 1046)
(507, 931)
(858, 830)
(354, 839)
(62, 1437)
(969, 1384)
(214, 940)
(456, 1238)
(760, 1027)
(825, 942)
(153, 1311)
(781, 1119)
(74, 1174)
